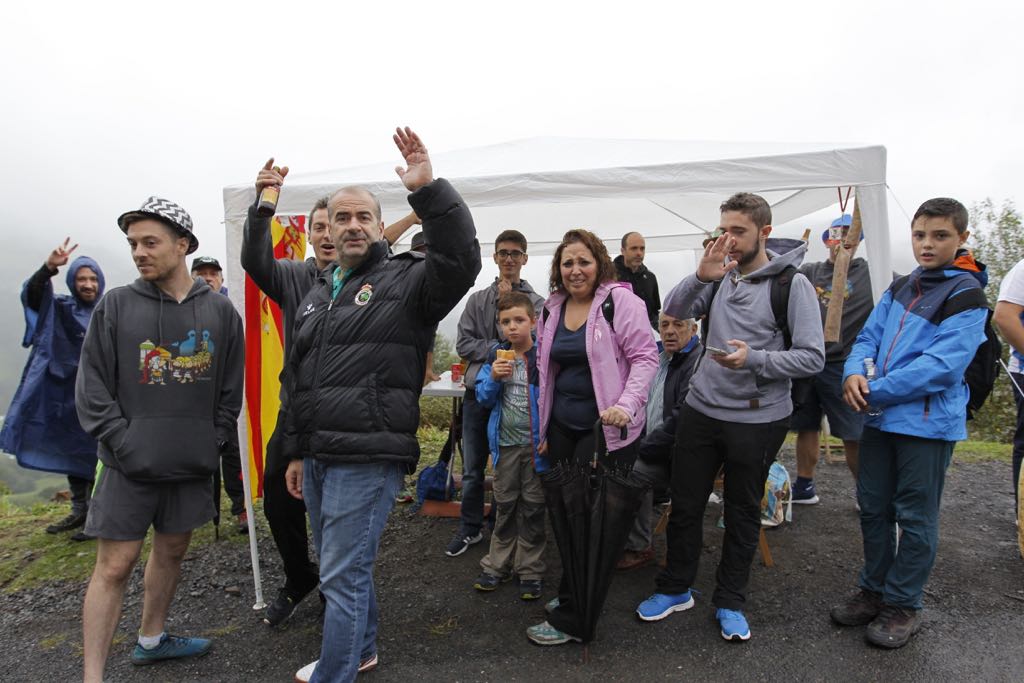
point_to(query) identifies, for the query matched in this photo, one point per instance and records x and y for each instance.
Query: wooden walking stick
(834, 317)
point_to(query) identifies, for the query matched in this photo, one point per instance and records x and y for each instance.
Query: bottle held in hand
(870, 371)
(268, 201)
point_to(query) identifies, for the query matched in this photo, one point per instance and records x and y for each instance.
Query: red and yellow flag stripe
(264, 349)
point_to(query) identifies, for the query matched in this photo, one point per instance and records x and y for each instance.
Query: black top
(574, 405)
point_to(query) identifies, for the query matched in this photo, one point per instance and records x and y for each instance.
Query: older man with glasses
(478, 334)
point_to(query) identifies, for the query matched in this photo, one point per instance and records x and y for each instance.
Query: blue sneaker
(170, 647)
(660, 605)
(733, 623)
(804, 494)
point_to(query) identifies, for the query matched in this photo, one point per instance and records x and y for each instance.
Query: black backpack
(983, 369)
(779, 297)
(981, 373)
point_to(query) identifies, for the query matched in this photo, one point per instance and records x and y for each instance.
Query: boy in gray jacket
(737, 410)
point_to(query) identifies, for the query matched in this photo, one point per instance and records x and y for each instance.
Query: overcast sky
(108, 103)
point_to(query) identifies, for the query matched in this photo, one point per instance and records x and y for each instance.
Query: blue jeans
(475, 451)
(348, 507)
(900, 481)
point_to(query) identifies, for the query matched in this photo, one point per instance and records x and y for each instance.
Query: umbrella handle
(600, 443)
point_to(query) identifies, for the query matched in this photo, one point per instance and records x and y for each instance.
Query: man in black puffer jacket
(355, 371)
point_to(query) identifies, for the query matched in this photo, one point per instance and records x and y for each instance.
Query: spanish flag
(264, 348)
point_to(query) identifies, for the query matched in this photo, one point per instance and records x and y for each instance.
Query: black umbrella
(591, 506)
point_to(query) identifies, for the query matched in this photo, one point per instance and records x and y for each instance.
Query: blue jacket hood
(78, 264)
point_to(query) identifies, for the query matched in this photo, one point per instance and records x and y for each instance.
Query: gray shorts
(123, 509)
(827, 396)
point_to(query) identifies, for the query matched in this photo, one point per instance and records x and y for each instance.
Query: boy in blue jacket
(509, 388)
(920, 337)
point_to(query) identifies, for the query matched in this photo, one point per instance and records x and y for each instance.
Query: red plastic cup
(456, 373)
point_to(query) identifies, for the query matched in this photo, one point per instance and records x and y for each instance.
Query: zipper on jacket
(315, 426)
(899, 330)
(927, 406)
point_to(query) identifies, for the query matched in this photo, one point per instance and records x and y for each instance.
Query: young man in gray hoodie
(737, 410)
(159, 387)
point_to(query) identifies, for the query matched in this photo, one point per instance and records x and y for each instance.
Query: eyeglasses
(505, 254)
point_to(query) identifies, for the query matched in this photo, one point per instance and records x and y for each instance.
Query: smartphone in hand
(715, 351)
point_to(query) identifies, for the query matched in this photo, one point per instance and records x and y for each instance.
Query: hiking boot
(80, 536)
(72, 521)
(859, 609)
(529, 589)
(546, 634)
(243, 523)
(281, 609)
(551, 605)
(733, 624)
(893, 626)
(487, 582)
(460, 543)
(660, 605)
(634, 559)
(805, 495)
(170, 647)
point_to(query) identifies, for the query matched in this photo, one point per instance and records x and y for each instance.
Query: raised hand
(270, 176)
(59, 256)
(418, 171)
(713, 265)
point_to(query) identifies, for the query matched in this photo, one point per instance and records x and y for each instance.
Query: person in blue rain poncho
(41, 428)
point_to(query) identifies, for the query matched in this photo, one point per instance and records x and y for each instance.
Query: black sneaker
(279, 610)
(72, 521)
(486, 582)
(459, 544)
(529, 589)
(80, 536)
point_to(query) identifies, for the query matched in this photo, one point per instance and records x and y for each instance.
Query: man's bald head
(350, 190)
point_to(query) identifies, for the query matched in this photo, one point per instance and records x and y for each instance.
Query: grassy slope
(29, 555)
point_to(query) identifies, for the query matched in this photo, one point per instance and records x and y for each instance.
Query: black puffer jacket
(355, 370)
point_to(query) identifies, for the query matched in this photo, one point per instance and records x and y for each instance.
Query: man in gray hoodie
(159, 387)
(737, 410)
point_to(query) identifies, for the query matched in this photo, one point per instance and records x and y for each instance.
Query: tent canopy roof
(667, 189)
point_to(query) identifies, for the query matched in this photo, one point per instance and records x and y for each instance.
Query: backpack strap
(607, 308)
(779, 296)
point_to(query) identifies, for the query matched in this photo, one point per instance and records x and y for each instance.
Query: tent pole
(254, 554)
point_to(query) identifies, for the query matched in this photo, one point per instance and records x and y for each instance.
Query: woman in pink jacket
(590, 368)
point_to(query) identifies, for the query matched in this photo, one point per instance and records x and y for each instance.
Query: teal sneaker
(546, 634)
(660, 605)
(733, 623)
(552, 605)
(170, 647)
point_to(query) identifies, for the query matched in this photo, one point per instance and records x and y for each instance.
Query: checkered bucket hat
(170, 213)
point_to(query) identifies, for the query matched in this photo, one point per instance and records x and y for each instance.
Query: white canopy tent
(668, 190)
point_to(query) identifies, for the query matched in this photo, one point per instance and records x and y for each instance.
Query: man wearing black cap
(208, 268)
(159, 387)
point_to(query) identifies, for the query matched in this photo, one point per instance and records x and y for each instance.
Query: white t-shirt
(1012, 290)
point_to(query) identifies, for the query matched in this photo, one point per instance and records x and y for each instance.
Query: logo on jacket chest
(364, 294)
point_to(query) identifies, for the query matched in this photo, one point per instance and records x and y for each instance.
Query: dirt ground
(435, 627)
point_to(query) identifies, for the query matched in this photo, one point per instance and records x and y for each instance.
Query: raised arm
(394, 232)
(453, 260)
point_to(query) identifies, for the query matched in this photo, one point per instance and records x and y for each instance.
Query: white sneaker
(305, 673)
